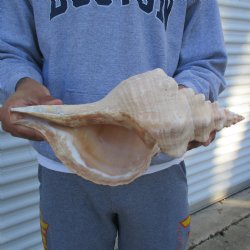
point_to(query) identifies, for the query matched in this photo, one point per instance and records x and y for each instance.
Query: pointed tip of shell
(240, 118)
(233, 118)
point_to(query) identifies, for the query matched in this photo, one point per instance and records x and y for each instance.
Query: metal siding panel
(235, 5)
(19, 230)
(223, 168)
(19, 198)
(19, 202)
(28, 242)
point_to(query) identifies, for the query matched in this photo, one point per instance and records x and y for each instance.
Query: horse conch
(112, 141)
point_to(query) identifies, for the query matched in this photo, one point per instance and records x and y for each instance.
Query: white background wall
(224, 167)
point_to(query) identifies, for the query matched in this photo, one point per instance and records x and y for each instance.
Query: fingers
(47, 100)
(28, 92)
(9, 125)
(1, 111)
(9, 118)
(193, 144)
(27, 133)
(196, 144)
(211, 138)
(207, 143)
(54, 102)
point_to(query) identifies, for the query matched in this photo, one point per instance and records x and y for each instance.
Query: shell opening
(112, 149)
(106, 153)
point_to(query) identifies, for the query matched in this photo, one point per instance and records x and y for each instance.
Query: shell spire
(232, 118)
(207, 116)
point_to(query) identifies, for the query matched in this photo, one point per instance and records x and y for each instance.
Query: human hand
(180, 86)
(28, 92)
(196, 144)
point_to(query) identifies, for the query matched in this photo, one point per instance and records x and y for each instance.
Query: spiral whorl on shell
(113, 140)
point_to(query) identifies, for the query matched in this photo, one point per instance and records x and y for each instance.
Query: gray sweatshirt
(81, 49)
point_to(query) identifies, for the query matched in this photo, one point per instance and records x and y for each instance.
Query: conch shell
(113, 140)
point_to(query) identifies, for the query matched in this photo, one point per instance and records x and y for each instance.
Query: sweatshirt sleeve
(19, 52)
(203, 57)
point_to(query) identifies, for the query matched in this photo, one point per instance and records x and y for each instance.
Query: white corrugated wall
(213, 173)
(19, 198)
(224, 167)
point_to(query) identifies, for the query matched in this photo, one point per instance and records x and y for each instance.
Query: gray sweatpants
(150, 213)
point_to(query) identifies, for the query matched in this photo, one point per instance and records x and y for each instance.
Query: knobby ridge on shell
(112, 141)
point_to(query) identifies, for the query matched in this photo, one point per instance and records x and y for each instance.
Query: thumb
(54, 102)
(1, 111)
(50, 100)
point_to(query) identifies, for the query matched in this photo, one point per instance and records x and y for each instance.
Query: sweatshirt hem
(59, 167)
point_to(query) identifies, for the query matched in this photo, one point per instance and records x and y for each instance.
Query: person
(76, 51)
